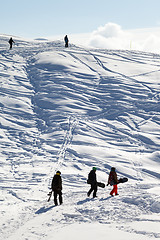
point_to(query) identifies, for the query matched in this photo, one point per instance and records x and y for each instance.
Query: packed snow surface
(69, 110)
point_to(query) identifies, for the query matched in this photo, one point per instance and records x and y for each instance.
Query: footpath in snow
(69, 110)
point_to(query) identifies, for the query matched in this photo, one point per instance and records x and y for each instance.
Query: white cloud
(112, 36)
(152, 43)
(110, 30)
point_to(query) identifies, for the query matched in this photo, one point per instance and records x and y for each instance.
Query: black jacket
(66, 39)
(92, 177)
(56, 183)
(11, 41)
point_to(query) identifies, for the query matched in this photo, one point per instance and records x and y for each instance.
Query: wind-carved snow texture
(69, 110)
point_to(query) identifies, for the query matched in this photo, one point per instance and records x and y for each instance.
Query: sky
(39, 18)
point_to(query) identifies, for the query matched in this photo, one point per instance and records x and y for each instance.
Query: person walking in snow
(66, 41)
(57, 187)
(11, 42)
(113, 181)
(92, 180)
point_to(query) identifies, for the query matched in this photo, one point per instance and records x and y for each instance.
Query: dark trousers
(93, 189)
(56, 193)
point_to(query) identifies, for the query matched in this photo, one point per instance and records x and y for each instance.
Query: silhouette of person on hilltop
(11, 42)
(66, 41)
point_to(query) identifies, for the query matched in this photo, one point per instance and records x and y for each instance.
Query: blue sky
(42, 18)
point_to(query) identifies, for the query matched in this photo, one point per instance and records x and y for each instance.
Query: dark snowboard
(99, 184)
(50, 195)
(123, 180)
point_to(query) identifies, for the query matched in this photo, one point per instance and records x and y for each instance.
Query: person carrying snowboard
(57, 187)
(66, 41)
(11, 42)
(92, 180)
(113, 181)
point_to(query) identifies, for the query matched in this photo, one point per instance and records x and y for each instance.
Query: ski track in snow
(69, 110)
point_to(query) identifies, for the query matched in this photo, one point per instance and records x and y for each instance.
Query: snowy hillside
(69, 110)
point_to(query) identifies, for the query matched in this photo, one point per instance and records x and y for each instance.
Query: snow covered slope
(69, 110)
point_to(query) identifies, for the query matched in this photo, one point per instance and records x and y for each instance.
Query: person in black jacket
(11, 42)
(57, 187)
(66, 41)
(92, 179)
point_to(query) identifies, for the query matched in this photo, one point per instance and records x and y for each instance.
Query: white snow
(69, 110)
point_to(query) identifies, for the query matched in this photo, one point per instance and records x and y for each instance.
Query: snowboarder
(113, 181)
(57, 187)
(66, 41)
(92, 180)
(11, 42)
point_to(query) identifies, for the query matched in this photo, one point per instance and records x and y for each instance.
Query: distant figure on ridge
(57, 187)
(66, 41)
(11, 42)
(113, 181)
